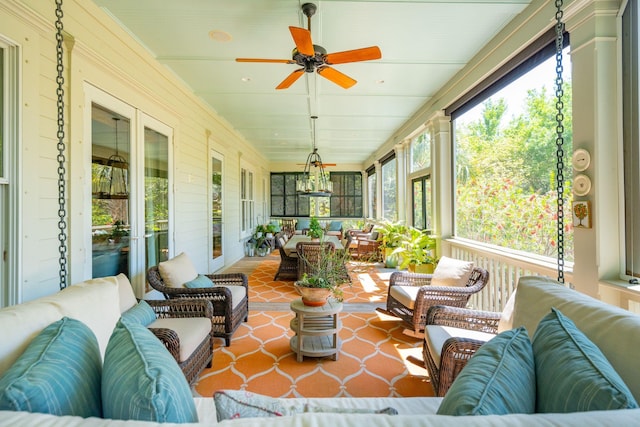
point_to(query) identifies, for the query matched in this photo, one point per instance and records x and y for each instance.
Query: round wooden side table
(316, 329)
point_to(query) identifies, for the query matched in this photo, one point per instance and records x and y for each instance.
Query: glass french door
(130, 182)
(216, 260)
(156, 196)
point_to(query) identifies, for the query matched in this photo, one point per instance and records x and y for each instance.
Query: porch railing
(505, 268)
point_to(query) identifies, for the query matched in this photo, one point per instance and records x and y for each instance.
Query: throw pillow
(451, 272)
(177, 271)
(142, 381)
(335, 226)
(499, 379)
(59, 373)
(572, 374)
(141, 313)
(301, 224)
(201, 281)
(232, 404)
(125, 293)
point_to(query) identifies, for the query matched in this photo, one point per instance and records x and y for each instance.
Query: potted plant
(392, 235)
(270, 229)
(417, 251)
(315, 229)
(327, 276)
(260, 230)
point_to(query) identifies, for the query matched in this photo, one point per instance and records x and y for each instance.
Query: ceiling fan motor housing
(310, 63)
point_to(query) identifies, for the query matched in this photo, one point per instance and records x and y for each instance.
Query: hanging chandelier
(114, 178)
(314, 182)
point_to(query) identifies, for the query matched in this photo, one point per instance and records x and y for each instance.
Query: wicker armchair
(414, 315)
(202, 355)
(288, 268)
(444, 361)
(227, 314)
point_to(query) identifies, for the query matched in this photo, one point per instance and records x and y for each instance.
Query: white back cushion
(125, 293)
(451, 272)
(177, 271)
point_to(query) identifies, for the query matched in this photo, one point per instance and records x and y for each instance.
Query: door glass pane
(156, 197)
(216, 207)
(110, 224)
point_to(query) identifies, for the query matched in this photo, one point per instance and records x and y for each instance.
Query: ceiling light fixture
(318, 183)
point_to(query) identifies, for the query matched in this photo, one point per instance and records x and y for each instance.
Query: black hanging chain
(62, 213)
(560, 137)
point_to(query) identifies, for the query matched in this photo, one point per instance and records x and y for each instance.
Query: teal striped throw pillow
(201, 281)
(499, 379)
(141, 313)
(59, 373)
(572, 374)
(142, 381)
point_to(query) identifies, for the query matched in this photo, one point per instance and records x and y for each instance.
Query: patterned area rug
(369, 284)
(371, 363)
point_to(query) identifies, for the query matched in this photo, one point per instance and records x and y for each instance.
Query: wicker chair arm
(229, 279)
(182, 308)
(170, 339)
(456, 352)
(403, 278)
(482, 321)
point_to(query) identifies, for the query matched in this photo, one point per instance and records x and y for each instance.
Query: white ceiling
(423, 44)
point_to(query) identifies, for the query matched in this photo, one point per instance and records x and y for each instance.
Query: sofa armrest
(189, 307)
(482, 321)
(229, 279)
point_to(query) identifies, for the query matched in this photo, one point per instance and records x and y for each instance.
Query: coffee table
(316, 329)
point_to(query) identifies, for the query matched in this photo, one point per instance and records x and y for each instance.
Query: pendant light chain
(62, 213)
(560, 137)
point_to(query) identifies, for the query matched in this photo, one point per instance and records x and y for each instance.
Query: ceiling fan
(312, 57)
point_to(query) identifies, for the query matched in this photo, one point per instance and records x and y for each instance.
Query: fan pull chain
(560, 138)
(62, 224)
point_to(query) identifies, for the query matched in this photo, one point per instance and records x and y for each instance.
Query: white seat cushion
(191, 331)
(451, 272)
(406, 295)
(177, 271)
(436, 335)
(237, 293)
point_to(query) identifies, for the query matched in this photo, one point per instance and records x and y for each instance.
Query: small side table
(316, 330)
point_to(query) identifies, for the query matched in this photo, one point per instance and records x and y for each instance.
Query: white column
(595, 97)
(442, 176)
(378, 206)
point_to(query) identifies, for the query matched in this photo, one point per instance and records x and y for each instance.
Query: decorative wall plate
(581, 185)
(581, 159)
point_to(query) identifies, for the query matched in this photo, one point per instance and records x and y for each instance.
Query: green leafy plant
(417, 247)
(392, 233)
(315, 230)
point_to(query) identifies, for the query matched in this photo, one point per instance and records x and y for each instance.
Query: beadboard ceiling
(423, 44)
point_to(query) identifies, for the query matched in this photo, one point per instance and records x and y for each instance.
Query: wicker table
(316, 329)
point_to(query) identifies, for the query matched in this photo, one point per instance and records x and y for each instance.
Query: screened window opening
(505, 160)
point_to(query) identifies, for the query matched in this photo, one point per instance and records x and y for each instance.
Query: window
(346, 200)
(246, 200)
(389, 189)
(421, 200)
(372, 192)
(631, 139)
(421, 152)
(505, 151)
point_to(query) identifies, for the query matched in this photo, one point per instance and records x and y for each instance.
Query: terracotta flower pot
(313, 297)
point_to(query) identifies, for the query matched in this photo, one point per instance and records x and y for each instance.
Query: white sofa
(97, 304)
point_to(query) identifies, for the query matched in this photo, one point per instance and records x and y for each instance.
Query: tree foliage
(506, 175)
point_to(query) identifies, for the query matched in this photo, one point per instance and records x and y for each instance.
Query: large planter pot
(421, 268)
(313, 297)
(262, 251)
(390, 261)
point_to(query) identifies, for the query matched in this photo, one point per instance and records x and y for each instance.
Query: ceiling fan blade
(278, 61)
(302, 38)
(336, 76)
(291, 78)
(364, 54)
